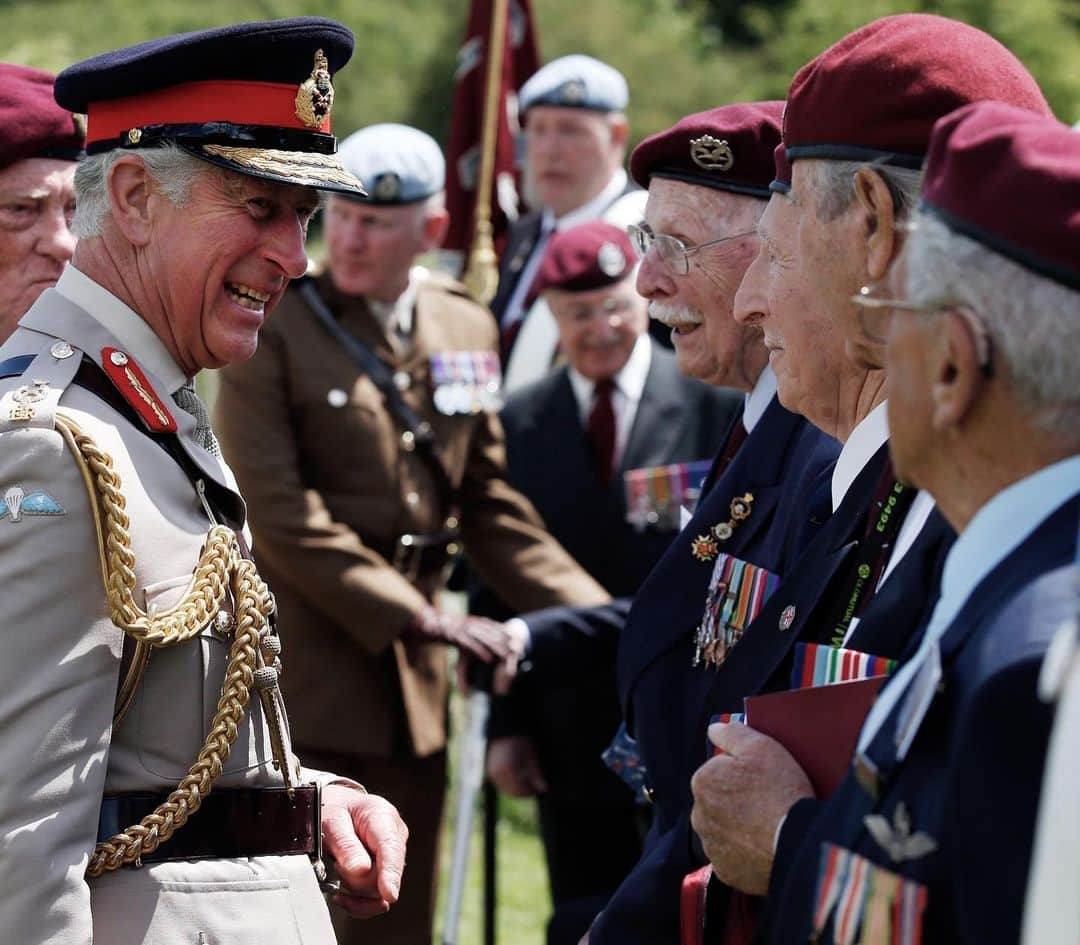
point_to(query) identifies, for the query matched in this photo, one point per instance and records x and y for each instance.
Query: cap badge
(711, 154)
(572, 92)
(387, 187)
(611, 260)
(316, 94)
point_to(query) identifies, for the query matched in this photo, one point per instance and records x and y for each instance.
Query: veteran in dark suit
(365, 431)
(619, 404)
(708, 179)
(573, 113)
(149, 791)
(929, 837)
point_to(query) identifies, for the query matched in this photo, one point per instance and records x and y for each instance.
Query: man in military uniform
(576, 133)
(39, 146)
(365, 436)
(929, 836)
(208, 151)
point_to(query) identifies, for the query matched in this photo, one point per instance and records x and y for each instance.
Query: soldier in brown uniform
(355, 521)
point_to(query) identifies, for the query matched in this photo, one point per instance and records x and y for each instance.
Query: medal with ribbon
(656, 495)
(737, 592)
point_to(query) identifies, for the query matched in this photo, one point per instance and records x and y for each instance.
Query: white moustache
(674, 315)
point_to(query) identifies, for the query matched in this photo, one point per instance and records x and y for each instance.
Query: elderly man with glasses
(929, 836)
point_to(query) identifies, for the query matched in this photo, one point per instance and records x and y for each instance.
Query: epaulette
(131, 383)
(41, 380)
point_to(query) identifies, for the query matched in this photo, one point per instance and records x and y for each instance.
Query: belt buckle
(407, 553)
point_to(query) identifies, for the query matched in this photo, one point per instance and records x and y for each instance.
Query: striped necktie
(188, 401)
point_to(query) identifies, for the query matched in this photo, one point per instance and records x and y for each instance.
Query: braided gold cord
(221, 566)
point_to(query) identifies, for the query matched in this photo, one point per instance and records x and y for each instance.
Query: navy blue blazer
(971, 779)
(783, 462)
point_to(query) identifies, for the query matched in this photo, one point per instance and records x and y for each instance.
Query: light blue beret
(576, 82)
(398, 164)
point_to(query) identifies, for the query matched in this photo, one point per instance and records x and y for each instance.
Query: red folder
(820, 726)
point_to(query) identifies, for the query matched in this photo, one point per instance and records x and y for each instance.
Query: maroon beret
(33, 124)
(782, 182)
(728, 148)
(587, 256)
(1010, 180)
(876, 94)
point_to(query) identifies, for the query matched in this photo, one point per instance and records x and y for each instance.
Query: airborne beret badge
(711, 154)
(316, 95)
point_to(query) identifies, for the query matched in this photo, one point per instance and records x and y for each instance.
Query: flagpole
(481, 275)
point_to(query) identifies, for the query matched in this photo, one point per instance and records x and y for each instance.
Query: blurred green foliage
(679, 55)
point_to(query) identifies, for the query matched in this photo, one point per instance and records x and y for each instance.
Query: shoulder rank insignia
(16, 503)
(129, 379)
(897, 840)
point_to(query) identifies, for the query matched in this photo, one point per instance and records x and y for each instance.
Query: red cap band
(237, 102)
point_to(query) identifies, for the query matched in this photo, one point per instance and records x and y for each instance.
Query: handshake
(476, 638)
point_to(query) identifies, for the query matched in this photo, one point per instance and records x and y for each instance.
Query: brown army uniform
(331, 482)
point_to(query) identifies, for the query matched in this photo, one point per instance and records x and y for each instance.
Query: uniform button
(402, 380)
(412, 498)
(408, 441)
(61, 350)
(337, 397)
(118, 358)
(453, 548)
(452, 522)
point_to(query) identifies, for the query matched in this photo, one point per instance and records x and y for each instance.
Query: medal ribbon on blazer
(737, 592)
(817, 664)
(863, 899)
(656, 495)
(466, 382)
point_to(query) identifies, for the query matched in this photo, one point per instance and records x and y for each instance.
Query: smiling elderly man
(158, 800)
(929, 836)
(39, 146)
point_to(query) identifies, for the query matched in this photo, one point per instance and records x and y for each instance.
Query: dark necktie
(735, 439)
(600, 428)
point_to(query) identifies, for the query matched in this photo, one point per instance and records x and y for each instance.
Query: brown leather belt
(229, 824)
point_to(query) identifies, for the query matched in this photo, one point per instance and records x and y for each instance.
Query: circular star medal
(704, 548)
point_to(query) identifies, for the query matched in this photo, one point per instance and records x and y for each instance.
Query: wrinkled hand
(513, 767)
(483, 639)
(740, 798)
(366, 837)
(506, 669)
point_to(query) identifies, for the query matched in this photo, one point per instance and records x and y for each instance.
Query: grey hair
(173, 169)
(1033, 321)
(836, 187)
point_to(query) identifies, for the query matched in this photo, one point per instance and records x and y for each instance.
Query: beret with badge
(252, 97)
(727, 148)
(875, 94)
(398, 164)
(1010, 180)
(584, 257)
(33, 124)
(575, 82)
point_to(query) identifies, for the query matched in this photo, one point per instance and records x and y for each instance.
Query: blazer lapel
(658, 422)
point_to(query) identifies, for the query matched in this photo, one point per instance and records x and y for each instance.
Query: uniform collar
(130, 329)
(865, 440)
(758, 400)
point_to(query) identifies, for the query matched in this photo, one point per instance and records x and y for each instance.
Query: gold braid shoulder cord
(221, 568)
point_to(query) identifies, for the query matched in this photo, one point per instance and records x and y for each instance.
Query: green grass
(523, 897)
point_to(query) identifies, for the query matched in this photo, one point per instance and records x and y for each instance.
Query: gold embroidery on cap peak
(711, 154)
(316, 95)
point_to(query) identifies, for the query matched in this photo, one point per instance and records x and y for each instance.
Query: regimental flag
(817, 664)
(520, 59)
(656, 495)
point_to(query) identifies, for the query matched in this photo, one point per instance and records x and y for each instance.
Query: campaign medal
(465, 382)
(706, 547)
(737, 592)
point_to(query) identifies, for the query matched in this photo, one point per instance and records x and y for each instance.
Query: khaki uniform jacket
(330, 486)
(58, 676)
